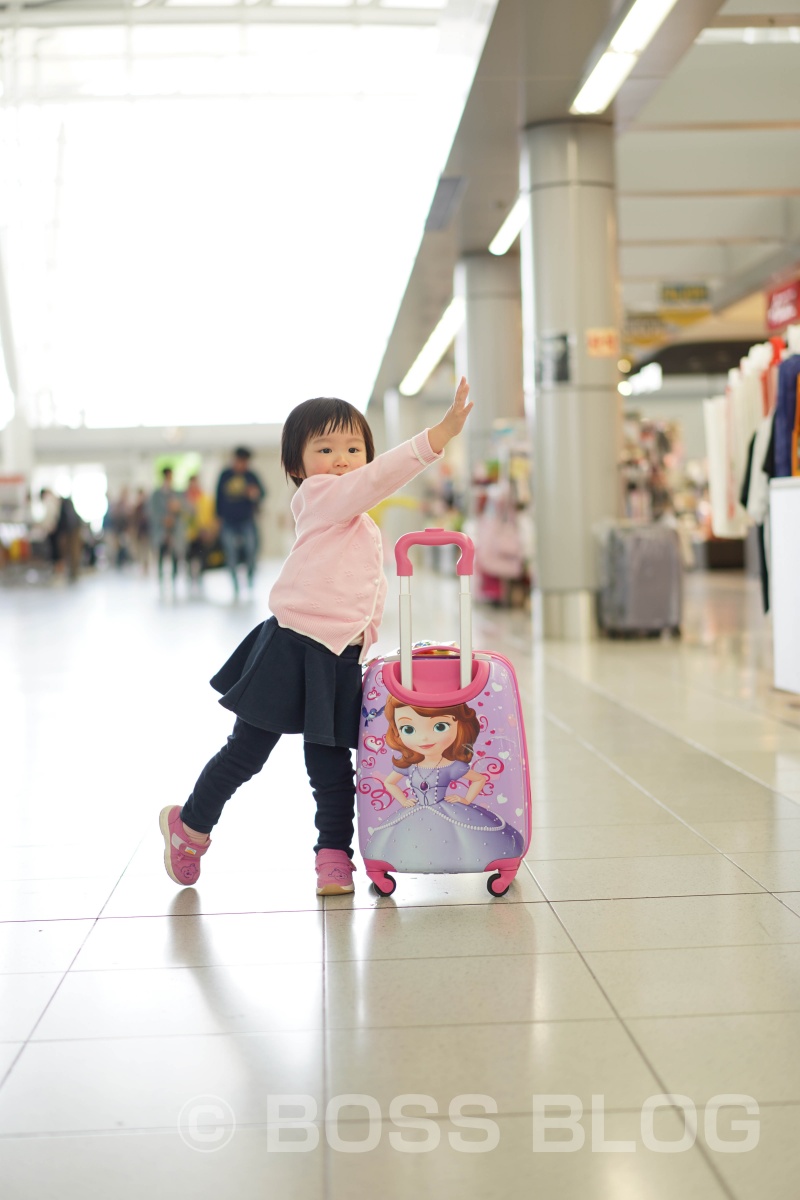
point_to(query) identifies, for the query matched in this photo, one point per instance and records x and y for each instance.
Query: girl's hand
(452, 422)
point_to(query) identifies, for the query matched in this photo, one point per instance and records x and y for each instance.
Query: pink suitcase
(443, 782)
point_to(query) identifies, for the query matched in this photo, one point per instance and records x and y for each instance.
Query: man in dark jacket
(239, 496)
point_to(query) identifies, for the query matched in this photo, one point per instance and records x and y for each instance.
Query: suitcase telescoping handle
(464, 567)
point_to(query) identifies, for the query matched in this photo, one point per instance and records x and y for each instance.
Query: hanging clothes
(758, 492)
(748, 474)
(757, 499)
(770, 376)
(726, 466)
(728, 519)
(785, 414)
(748, 407)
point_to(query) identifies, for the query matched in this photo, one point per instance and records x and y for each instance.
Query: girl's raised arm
(337, 499)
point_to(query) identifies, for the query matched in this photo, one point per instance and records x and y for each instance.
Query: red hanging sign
(783, 305)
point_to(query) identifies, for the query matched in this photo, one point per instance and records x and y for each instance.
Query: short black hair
(242, 452)
(165, 471)
(316, 417)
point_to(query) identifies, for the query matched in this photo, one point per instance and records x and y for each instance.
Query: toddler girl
(300, 671)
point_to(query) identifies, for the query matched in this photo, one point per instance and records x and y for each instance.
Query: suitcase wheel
(491, 883)
(385, 886)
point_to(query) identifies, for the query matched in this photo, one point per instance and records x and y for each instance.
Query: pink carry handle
(435, 537)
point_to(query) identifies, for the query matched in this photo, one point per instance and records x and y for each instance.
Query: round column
(571, 321)
(489, 344)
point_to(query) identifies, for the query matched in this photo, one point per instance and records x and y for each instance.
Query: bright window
(221, 224)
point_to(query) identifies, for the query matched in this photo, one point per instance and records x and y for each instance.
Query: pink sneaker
(334, 873)
(181, 858)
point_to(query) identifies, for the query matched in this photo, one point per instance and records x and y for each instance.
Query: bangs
(341, 418)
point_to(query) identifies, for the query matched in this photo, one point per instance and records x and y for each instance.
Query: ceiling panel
(678, 262)
(763, 8)
(732, 84)
(698, 218)
(692, 263)
(747, 161)
(743, 258)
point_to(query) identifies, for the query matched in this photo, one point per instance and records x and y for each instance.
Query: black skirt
(280, 680)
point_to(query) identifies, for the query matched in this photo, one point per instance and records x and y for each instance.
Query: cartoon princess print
(439, 827)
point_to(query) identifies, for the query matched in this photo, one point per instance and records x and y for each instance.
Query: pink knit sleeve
(330, 500)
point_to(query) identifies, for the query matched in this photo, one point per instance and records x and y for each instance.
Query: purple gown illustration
(435, 825)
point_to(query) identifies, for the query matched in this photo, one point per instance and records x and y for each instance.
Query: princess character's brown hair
(462, 748)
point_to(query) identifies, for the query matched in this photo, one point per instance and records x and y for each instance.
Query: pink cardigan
(332, 587)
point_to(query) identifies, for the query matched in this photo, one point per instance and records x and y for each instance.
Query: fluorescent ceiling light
(604, 82)
(641, 25)
(508, 232)
(311, 3)
(196, 3)
(750, 36)
(413, 3)
(633, 35)
(434, 349)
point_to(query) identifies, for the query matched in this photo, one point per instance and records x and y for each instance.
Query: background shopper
(239, 496)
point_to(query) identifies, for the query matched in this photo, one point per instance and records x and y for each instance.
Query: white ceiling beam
(55, 17)
(755, 21)
(59, 444)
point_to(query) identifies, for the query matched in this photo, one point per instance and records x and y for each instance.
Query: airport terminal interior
(211, 212)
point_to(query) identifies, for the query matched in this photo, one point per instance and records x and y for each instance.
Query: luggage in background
(641, 580)
(443, 780)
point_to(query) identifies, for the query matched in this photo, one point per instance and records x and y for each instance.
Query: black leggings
(330, 772)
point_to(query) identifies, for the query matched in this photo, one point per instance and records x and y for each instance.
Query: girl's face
(336, 453)
(429, 736)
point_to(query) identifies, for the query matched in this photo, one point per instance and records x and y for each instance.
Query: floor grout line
(139, 1130)
(466, 906)
(645, 792)
(641, 1052)
(648, 719)
(27, 1040)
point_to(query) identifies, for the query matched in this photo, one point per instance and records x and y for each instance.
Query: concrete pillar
(571, 321)
(398, 412)
(489, 345)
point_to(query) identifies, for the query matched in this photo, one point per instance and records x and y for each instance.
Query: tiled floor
(154, 1040)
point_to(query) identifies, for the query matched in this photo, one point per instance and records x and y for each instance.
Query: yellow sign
(683, 316)
(693, 294)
